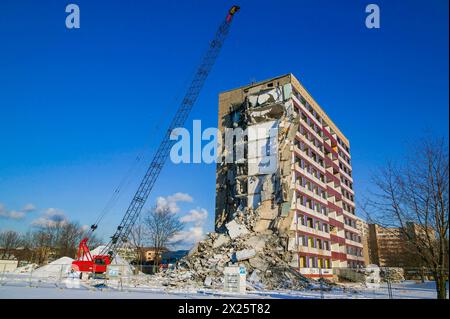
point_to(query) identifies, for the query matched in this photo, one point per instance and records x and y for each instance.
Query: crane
(85, 262)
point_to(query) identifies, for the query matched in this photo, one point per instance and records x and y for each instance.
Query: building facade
(363, 228)
(296, 181)
(389, 246)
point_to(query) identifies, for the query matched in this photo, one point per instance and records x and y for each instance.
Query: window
(302, 261)
(319, 243)
(302, 220)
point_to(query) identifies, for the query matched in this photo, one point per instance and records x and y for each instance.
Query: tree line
(157, 229)
(53, 240)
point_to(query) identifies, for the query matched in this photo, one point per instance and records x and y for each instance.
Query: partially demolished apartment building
(307, 194)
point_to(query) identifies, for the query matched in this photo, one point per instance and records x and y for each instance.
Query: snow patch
(61, 266)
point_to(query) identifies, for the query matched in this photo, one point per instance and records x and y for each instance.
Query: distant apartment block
(309, 198)
(363, 229)
(389, 246)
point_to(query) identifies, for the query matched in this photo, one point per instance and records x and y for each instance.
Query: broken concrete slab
(221, 240)
(236, 230)
(245, 254)
(258, 263)
(266, 211)
(208, 281)
(256, 242)
(261, 225)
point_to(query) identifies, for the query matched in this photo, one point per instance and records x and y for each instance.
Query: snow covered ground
(74, 289)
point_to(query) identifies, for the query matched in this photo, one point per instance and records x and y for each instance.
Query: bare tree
(42, 242)
(70, 235)
(161, 225)
(58, 238)
(137, 241)
(414, 198)
(9, 241)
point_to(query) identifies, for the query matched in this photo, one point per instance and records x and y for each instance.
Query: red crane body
(85, 262)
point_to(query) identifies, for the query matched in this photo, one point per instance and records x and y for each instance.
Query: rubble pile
(264, 255)
(374, 274)
(371, 274)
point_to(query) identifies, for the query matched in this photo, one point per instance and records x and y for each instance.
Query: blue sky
(77, 106)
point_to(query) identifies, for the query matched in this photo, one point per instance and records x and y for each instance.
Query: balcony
(311, 250)
(306, 111)
(309, 143)
(353, 243)
(313, 231)
(310, 193)
(311, 212)
(339, 218)
(306, 157)
(347, 188)
(316, 272)
(344, 150)
(305, 173)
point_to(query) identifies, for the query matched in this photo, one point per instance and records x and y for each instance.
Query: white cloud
(180, 197)
(50, 218)
(29, 208)
(15, 214)
(193, 234)
(187, 238)
(170, 202)
(197, 216)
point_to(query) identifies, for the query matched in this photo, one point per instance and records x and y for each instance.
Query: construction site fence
(386, 274)
(119, 277)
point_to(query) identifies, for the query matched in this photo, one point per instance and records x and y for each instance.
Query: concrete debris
(254, 277)
(264, 255)
(222, 239)
(245, 254)
(236, 230)
(372, 274)
(208, 281)
(257, 242)
(393, 274)
(258, 263)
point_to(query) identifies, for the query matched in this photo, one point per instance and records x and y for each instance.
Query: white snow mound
(61, 266)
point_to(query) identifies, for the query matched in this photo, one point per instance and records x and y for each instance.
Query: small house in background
(150, 254)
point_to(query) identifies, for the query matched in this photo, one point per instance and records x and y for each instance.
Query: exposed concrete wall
(253, 187)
